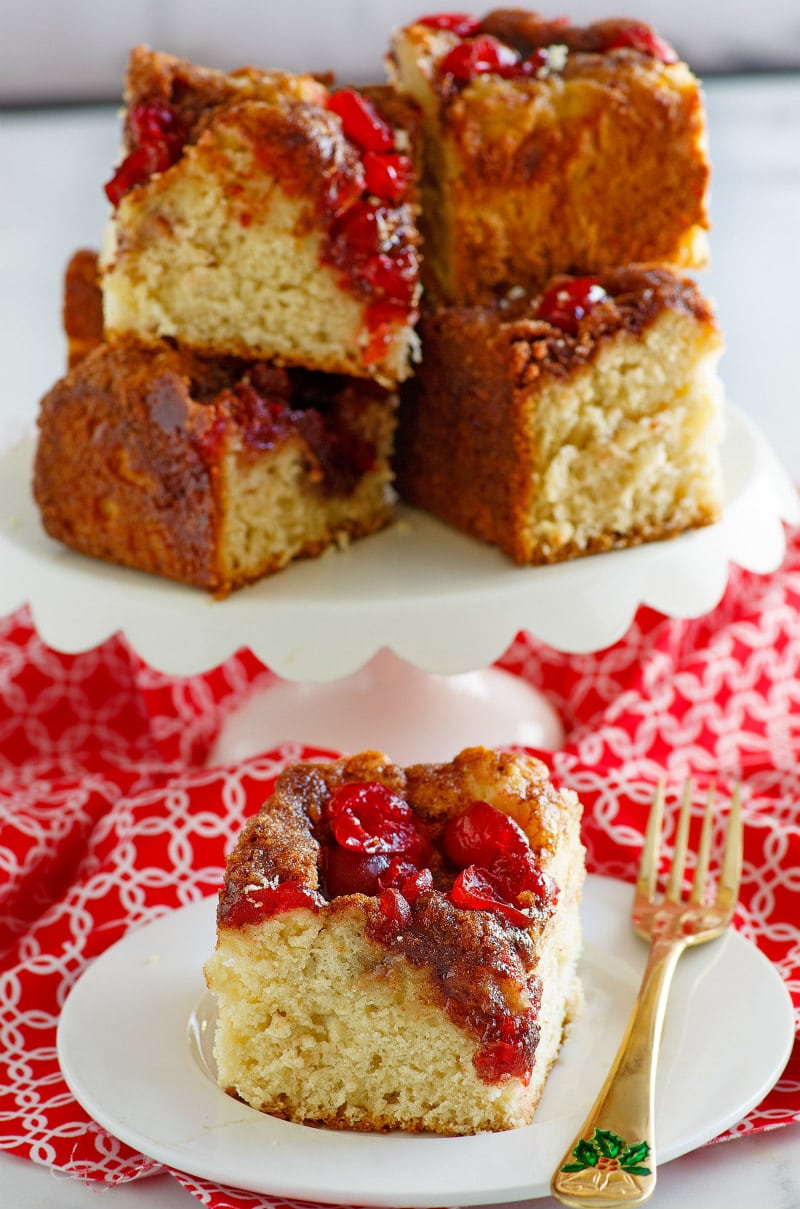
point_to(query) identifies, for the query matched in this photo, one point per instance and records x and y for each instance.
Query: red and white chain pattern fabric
(108, 817)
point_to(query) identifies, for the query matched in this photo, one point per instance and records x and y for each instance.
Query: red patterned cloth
(108, 817)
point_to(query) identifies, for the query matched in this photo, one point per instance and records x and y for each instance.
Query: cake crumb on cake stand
(355, 636)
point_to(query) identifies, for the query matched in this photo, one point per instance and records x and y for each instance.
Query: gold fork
(612, 1160)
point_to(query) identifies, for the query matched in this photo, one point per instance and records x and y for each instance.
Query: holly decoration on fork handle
(606, 1158)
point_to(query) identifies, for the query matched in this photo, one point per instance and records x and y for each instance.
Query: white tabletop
(51, 203)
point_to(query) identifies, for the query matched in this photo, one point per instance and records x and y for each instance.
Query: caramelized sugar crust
(471, 956)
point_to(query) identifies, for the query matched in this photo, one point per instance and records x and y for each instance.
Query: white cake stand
(389, 643)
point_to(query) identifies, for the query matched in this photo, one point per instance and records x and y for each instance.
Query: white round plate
(133, 1043)
(438, 599)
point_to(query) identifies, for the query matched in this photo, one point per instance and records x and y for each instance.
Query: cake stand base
(412, 715)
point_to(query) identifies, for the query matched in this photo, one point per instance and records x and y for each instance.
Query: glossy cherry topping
(565, 303)
(156, 121)
(382, 320)
(376, 845)
(364, 239)
(400, 874)
(514, 874)
(363, 243)
(481, 834)
(510, 1048)
(479, 56)
(457, 23)
(392, 276)
(641, 37)
(396, 911)
(260, 902)
(358, 233)
(347, 871)
(499, 871)
(158, 136)
(513, 43)
(474, 887)
(342, 189)
(387, 175)
(361, 122)
(368, 817)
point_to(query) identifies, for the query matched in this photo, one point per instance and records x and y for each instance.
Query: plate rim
(299, 1184)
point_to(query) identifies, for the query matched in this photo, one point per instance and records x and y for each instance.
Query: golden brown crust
(195, 92)
(476, 394)
(636, 296)
(120, 472)
(82, 308)
(598, 164)
(520, 787)
(132, 445)
(279, 842)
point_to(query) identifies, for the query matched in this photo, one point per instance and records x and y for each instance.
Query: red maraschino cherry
(258, 903)
(361, 122)
(457, 23)
(565, 303)
(158, 136)
(639, 36)
(369, 817)
(479, 56)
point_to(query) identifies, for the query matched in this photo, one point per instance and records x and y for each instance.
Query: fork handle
(612, 1160)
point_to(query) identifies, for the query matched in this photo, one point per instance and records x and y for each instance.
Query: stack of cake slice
(567, 400)
(259, 289)
(235, 362)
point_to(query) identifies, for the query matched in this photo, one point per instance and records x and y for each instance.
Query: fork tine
(646, 879)
(731, 874)
(704, 850)
(675, 883)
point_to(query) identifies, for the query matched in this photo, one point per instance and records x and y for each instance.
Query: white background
(76, 49)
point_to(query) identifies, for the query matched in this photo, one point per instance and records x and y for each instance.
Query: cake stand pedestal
(389, 704)
(390, 643)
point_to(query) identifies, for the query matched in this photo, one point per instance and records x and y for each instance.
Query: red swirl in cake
(262, 214)
(210, 470)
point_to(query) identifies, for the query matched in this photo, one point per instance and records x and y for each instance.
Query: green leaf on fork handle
(606, 1151)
